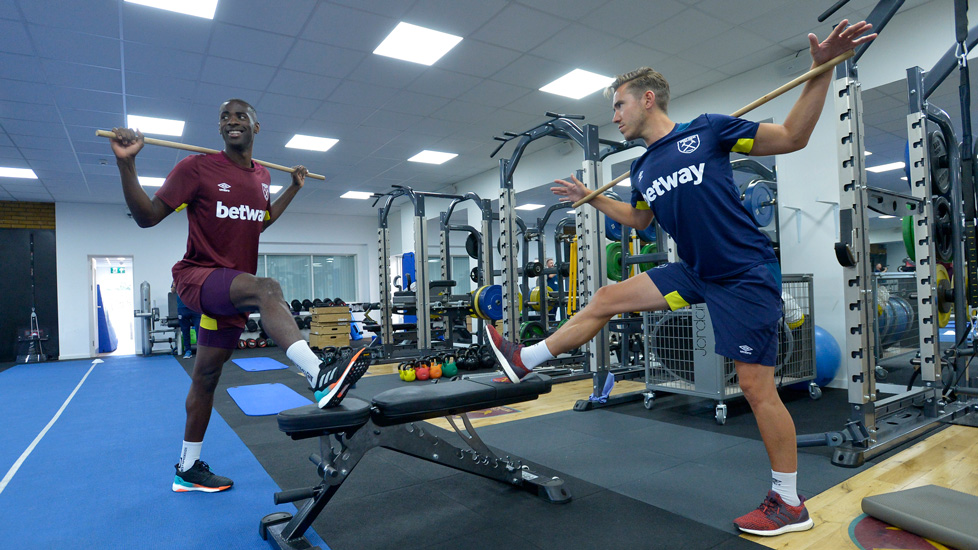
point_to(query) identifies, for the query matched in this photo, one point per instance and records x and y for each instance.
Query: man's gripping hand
(127, 143)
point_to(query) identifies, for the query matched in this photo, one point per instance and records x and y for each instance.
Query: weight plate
(908, 238)
(944, 304)
(490, 302)
(939, 172)
(648, 248)
(648, 234)
(759, 202)
(472, 246)
(613, 260)
(532, 330)
(943, 241)
(612, 229)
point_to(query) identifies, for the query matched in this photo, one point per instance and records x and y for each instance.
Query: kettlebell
(409, 374)
(329, 355)
(436, 368)
(449, 368)
(422, 371)
(400, 371)
(487, 359)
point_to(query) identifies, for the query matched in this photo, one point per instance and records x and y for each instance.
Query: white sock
(189, 454)
(535, 354)
(784, 485)
(305, 359)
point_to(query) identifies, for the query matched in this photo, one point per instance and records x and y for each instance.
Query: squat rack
(877, 425)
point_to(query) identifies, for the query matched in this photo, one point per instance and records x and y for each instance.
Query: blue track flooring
(101, 476)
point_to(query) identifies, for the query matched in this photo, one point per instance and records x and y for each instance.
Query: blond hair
(641, 80)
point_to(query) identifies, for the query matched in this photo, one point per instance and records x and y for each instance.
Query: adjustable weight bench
(392, 421)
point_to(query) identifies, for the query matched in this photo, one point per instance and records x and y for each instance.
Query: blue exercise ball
(828, 356)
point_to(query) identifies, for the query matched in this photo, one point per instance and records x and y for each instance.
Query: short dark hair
(247, 105)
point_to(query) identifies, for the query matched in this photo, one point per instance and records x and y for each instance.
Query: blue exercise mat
(254, 364)
(266, 399)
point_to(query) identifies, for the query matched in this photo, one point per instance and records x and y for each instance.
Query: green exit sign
(117, 270)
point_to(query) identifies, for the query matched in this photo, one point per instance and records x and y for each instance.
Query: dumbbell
(533, 269)
(339, 302)
(242, 344)
(298, 321)
(251, 325)
(252, 343)
(317, 303)
(296, 306)
(261, 342)
(306, 304)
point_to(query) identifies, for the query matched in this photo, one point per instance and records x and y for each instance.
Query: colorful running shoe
(774, 517)
(199, 478)
(335, 380)
(507, 354)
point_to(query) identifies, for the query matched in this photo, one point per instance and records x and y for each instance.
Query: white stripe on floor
(30, 448)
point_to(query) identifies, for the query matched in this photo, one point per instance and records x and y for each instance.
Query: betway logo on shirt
(692, 173)
(243, 212)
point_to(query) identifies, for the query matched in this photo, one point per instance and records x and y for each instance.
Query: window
(335, 277)
(307, 277)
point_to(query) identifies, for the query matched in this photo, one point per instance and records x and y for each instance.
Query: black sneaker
(200, 478)
(335, 380)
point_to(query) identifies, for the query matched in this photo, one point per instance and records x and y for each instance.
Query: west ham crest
(689, 144)
(264, 190)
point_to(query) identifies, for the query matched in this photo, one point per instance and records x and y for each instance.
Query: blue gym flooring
(100, 477)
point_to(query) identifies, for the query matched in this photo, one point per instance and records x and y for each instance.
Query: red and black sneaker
(507, 354)
(335, 380)
(774, 517)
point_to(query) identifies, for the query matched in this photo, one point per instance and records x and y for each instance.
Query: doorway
(112, 278)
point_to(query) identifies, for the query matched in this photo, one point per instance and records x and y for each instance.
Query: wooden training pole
(743, 110)
(196, 149)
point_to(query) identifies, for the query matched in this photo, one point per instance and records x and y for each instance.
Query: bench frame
(345, 446)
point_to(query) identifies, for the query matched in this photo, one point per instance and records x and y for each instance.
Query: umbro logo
(746, 350)
(640, 174)
(689, 144)
(224, 187)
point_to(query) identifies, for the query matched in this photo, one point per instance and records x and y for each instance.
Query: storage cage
(680, 356)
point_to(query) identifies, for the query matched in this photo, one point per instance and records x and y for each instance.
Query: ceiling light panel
(197, 8)
(577, 84)
(417, 44)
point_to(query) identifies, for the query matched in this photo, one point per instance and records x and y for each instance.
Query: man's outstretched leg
(328, 382)
(192, 473)
(635, 294)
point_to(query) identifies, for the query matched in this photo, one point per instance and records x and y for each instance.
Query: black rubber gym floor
(669, 477)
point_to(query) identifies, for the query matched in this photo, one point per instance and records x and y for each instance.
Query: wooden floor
(948, 458)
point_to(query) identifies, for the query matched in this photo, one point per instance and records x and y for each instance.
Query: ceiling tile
(477, 58)
(520, 28)
(173, 109)
(387, 8)
(727, 47)
(389, 120)
(737, 12)
(73, 75)
(279, 17)
(452, 16)
(27, 111)
(682, 32)
(69, 98)
(462, 111)
(143, 58)
(303, 84)
(443, 83)
(556, 48)
(14, 38)
(568, 10)
(210, 96)
(62, 45)
(414, 103)
(286, 105)
(348, 27)
(323, 59)
(263, 48)
(165, 29)
(233, 74)
(495, 94)
(531, 72)
(20, 67)
(41, 143)
(369, 95)
(613, 17)
(788, 20)
(343, 114)
(32, 128)
(144, 85)
(99, 17)
(386, 71)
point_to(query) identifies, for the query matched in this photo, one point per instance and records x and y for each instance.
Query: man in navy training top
(685, 182)
(228, 205)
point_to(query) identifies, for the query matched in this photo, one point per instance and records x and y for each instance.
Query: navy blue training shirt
(686, 180)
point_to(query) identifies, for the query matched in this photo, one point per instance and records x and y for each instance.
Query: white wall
(85, 230)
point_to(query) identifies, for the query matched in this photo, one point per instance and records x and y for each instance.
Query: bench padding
(418, 401)
(426, 400)
(930, 511)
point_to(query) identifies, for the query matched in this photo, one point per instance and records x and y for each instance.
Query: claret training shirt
(686, 180)
(226, 207)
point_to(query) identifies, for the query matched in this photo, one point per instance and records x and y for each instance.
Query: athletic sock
(784, 485)
(535, 354)
(189, 454)
(305, 359)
